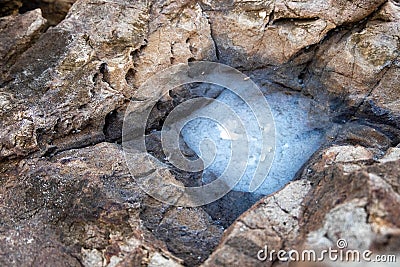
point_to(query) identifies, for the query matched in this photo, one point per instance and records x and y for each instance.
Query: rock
(199, 231)
(262, 33)
(382, 103)
(359, 66)
(17, 33)
(179, 32)
(362, 209)
(86, 206)
(391, 155)
(101, 57)
(273, 221)
(70, 79)
(93, 212)
(67, 197)
(53, 10)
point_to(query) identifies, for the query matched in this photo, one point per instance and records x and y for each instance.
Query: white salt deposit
(295, 141)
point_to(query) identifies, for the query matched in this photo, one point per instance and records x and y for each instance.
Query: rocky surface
(31, 25)
(367, 62)
(64, 89)
(263, 33)
(70, 212)
(91, 212)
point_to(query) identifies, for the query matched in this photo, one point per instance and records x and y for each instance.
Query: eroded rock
(273, 221)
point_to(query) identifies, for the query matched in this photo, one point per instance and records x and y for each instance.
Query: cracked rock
(70, 68)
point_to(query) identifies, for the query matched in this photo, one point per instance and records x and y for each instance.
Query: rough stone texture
(178, 32)
(361, 206)
(355, 65)
(66, 196)
(81, 207)
(273, 221)
(16, 35)
(64, 85)
(261, 33)
(71, 78)
(53, 10)
(71, 212)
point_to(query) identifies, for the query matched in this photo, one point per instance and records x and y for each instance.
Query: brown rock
(272, 222)
(66, 201)
(261, 33)
(17, 33)
(84, 63)
(359, 66)
(86, 206)
(178, 32)
(43, 77)
(360, 206)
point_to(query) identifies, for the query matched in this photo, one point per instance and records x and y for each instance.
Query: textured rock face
(356, 65)
(92, 212)
(273, 221)
(266, 33)
(364, 207)
(69, 212)
(178, 32)
(66, 196)
(14, 42)
(82, 62)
